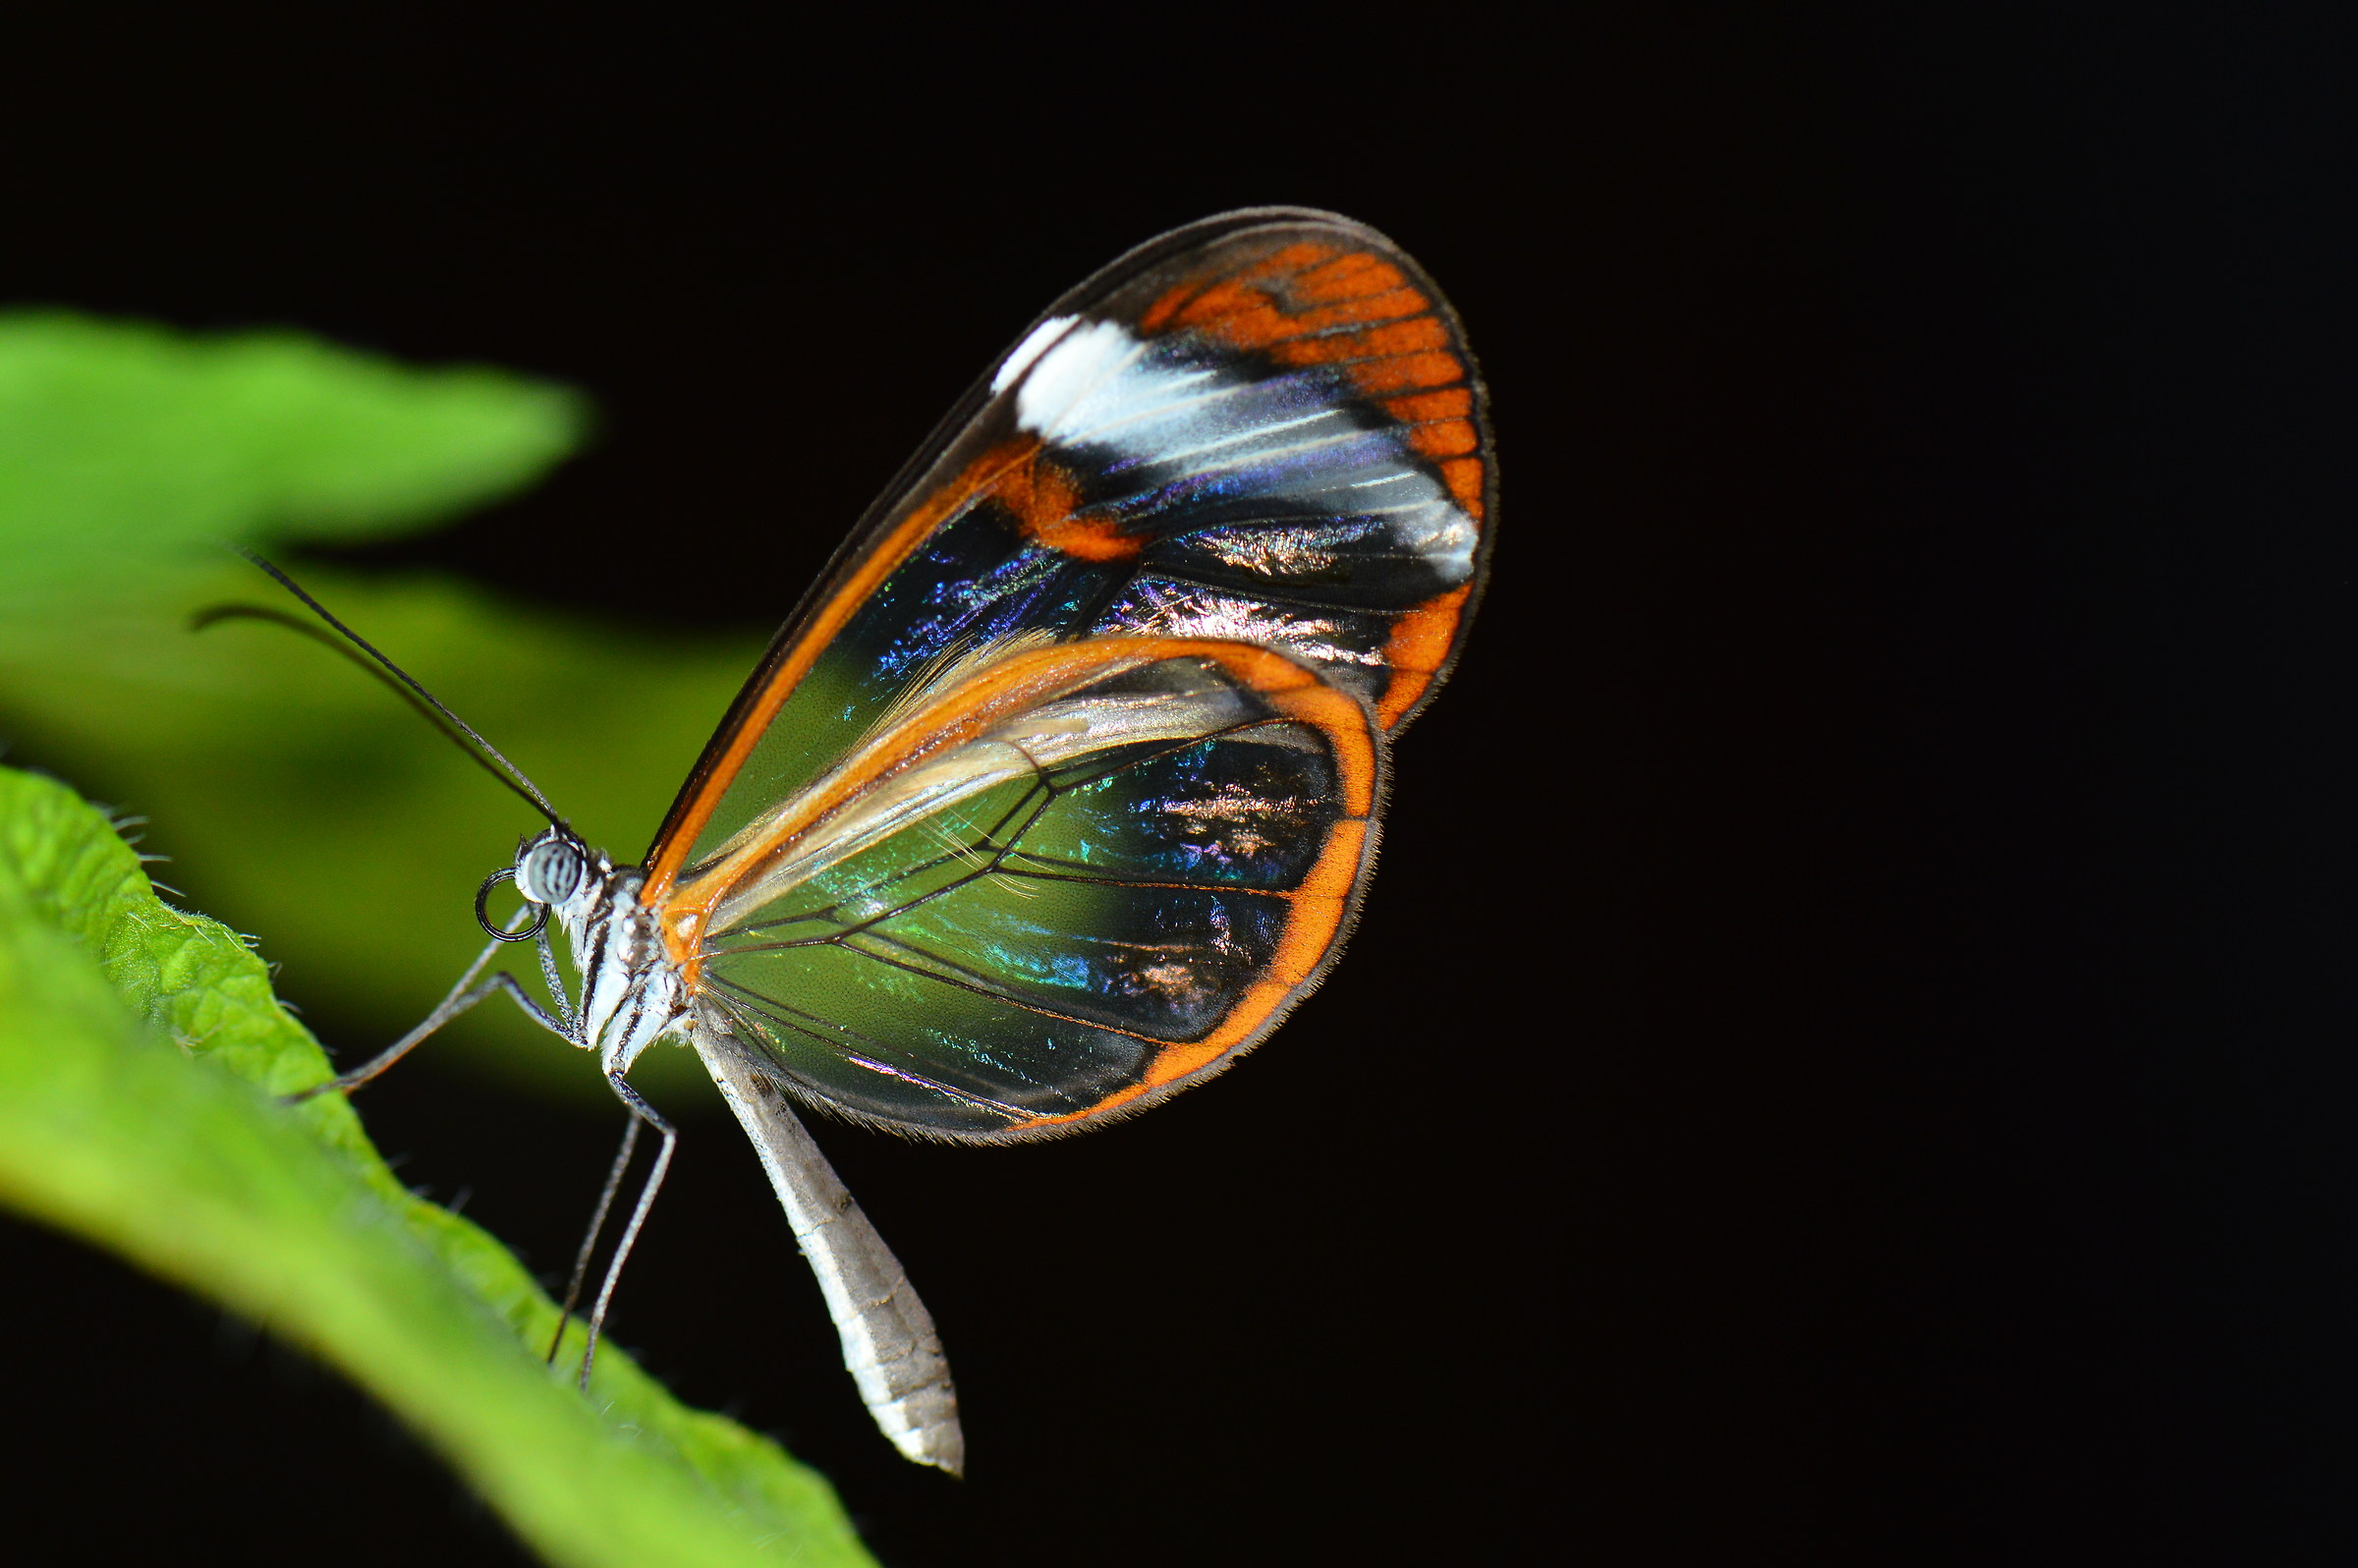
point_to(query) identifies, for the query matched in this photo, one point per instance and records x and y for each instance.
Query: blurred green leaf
(141, 1049)
(293, 796)
(126, 448)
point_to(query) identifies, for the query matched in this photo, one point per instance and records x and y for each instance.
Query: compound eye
(550, 872)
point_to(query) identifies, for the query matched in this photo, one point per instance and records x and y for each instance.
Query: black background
(1849, 1056)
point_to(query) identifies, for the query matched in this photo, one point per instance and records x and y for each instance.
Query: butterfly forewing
(1264, 429)
(1076, 878)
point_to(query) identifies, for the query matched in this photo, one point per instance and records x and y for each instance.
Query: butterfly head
(552, 867)
(557, 874)
(632, 994)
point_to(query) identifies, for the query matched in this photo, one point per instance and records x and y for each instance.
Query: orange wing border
(1427, 642)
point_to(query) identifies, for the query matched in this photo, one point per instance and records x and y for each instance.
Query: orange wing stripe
(1296, 293)
(1463, 475)
(1407, 372)
(1454, 403)
(1248, 319)
(1399, 337)
(1418, 643)
(1045, 501)
(1444, 438)
(1348, 277)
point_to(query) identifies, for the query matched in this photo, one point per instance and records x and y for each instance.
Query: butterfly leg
(452, 1006)
(641, 1111)
(460, 999)
(556, 988)
(598, 1226)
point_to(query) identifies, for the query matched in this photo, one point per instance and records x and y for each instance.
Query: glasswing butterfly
(1060, 788)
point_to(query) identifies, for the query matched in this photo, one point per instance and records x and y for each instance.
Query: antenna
(452, 727)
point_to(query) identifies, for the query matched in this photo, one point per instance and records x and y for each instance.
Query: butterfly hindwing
(1263, 429)
(1079, 876)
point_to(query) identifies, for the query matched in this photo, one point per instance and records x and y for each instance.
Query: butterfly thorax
(632, 992)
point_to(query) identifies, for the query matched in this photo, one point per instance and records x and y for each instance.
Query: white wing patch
(1034, 343)
(1292, 437)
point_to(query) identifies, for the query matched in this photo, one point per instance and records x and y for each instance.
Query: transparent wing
(1076, 880)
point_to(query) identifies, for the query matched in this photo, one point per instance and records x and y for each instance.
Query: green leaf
(141, 1051)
